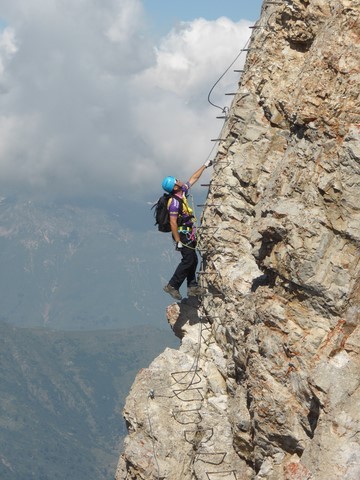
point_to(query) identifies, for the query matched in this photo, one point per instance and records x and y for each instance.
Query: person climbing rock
(183, 232)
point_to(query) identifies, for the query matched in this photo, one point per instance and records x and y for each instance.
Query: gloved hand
(208, 163)
(179, 245)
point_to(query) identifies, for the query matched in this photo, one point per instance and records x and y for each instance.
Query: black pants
(187, 267)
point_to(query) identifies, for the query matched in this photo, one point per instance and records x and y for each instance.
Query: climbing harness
(189, 231)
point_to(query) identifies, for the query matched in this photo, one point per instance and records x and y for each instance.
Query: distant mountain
(81, 267)
(61, 396)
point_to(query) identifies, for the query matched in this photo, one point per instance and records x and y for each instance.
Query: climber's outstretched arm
(195, 176)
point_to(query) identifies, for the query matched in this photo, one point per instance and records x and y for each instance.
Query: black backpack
(161, 213)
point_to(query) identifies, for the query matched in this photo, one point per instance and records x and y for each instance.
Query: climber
(183, 233)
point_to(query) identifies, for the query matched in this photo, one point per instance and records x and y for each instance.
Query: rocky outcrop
(266, 382)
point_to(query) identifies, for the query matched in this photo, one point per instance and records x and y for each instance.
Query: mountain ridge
(79, 267)
(61, 395)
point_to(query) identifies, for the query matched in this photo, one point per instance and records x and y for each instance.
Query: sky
(102, 98)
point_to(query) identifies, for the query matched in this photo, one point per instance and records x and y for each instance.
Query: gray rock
(265, 384)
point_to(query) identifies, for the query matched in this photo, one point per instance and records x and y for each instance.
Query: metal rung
(199, 436)
(180, 377)
(214, 295)
(273, 3)
(208, 205)
(230, 93)
(213, 458)
(222, 117)
(211, 185)
(190, 394)
(257, 26)
(218, 139)
(239, 71)
(189, 416)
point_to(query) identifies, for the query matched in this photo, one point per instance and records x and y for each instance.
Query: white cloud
(88, 103)
(8, 48)
(127, 22)
(194, 54)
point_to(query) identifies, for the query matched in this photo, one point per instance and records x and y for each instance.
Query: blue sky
(167, 13)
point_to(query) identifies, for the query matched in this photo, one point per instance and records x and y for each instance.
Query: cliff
(265, 384)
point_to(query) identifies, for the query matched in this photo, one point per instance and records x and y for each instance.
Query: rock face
(266, 382)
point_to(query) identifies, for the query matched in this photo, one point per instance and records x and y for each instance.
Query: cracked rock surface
(266, 382)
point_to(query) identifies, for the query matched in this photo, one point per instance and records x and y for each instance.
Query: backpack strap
(181, 209)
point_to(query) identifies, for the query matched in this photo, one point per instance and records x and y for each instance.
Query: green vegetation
(61, 397)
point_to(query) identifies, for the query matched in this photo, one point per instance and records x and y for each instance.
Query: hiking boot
(172, 291)
(195, 290)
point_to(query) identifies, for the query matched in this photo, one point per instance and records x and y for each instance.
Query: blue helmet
(168, 184)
